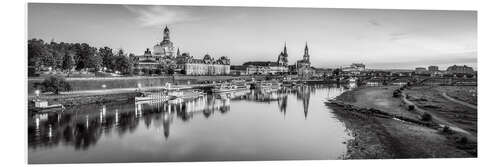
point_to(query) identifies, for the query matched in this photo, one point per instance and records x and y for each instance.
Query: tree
(68, 61)
(337, 71)
(120, 52)
(37, 53)
(84, 53)
(106, 55)
(57, 52)
(123, 64)
(96, 62)
(55, 84)
(167, 66)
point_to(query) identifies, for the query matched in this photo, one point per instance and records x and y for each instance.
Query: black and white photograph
(173, 83)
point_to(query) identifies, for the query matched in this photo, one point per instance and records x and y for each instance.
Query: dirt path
(436, 119)
(459, 101)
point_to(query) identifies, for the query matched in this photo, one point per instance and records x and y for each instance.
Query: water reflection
(81, 128)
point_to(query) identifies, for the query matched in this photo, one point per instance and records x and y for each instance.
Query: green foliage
(337, 71)
(167, 67)
(426, 117)
(447, 130)
(37, 53)
(65, 56)
(68, 62)
(106, 54)
(122, 64)
(55, 84)
(411, 107)
(84, 54)
(53, 54)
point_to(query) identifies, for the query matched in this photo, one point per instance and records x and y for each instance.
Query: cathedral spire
(284, 50)
(306, 53)
(178, 52)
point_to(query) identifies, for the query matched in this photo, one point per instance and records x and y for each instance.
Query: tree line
(78, 56)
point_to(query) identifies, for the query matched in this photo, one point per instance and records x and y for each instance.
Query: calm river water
(288, 124)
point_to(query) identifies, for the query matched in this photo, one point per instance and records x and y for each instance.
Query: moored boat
(230, 88)
(43, 106)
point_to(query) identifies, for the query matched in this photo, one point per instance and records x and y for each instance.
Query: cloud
(398, 36)
(374, 23)
(149, 16)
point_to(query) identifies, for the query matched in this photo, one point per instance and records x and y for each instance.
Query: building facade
(433, 68)
(206, 66)
(354, 69)
(264, 68)
(460, 69)
(269, 67)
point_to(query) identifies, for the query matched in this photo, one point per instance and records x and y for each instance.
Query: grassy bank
(71, 101)
(384, 128)
(431, 99)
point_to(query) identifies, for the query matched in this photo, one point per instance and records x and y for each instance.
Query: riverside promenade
(70, 94)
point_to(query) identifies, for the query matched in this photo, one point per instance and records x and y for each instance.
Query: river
(287, 124)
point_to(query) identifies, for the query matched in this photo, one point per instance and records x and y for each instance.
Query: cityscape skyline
(381, 39)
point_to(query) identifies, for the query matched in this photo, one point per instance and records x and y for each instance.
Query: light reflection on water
(285, 124)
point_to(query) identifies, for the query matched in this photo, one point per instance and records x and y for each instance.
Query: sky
(381, 39)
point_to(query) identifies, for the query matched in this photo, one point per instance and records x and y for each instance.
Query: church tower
(283, 57)
(166, 47)
(306, 54)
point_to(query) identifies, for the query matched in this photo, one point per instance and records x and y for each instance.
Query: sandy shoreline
(383, 128)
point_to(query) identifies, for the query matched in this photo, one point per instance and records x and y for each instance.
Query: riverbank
(104, 83)
(383, 127)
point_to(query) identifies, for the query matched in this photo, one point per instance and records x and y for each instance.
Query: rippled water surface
(286, 124)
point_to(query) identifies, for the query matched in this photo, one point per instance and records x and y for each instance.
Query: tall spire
(284, 49)
(306, 53)
(166, 34)
(178, 52)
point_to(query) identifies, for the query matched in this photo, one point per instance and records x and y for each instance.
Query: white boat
(153, 96)
(168, 93)
(230, 88)
(352, 80)
(43, 106)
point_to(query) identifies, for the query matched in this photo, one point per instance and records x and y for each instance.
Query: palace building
(206, 66)
(163, 53)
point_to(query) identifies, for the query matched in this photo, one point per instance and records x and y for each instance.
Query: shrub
(426, 117)
(462, 140)
(411, 107)
(396, 94)
(447, 130)
(55, 84)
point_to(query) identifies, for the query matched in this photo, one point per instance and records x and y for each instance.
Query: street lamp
(37, 93)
